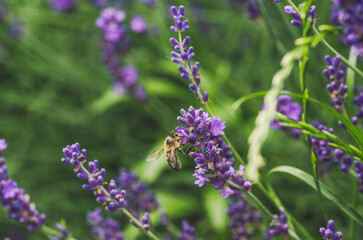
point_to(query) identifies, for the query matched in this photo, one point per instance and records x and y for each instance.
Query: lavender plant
(211, 150)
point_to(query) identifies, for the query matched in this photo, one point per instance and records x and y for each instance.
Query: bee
(171, 145)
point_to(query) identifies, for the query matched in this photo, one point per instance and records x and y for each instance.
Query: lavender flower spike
(328, 233)
(62, 5)
(138, 197)
(214, 160)
(14, 200)
(114, 198)
(278, 226)
(243, 219)
(104, 229)
(183, 55)
(348, 15)
(359, 170)
(297, 22)
(188, 232)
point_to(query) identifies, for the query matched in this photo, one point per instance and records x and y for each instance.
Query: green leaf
(325, 190)
(351, 83)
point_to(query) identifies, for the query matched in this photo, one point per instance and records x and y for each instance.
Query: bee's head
(173, 134)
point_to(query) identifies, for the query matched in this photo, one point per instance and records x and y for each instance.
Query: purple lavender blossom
(14, 200)
(129, 75)
(183, 55)
(114, 198)
(63, 230)
(291, 110)
(297, 22)
(17, 204)
(62, 5)
(138, 24)
(328, 233)
(358, 102)
(139, 198)
(336, 72)
(145, 221)
(109, 21)
(326, 154)
(253, 12)
(214, 160)
(117, 43)
(16, 28)
(149, 3)
(188, 232)
(359, 171)
(348, 15)
(278, 226)
(104, 230)
(243, 219)
(3, 145)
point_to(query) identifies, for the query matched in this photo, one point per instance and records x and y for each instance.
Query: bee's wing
(156, 154)
(173, 160)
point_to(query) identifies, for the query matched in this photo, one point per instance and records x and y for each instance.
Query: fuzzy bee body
(171, 145)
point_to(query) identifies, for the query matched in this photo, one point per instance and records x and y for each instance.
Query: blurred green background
(55, 91)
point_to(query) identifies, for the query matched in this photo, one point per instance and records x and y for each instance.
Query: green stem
(150, 234)
(354, 205)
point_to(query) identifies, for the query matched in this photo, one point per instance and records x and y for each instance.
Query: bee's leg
(189, 149)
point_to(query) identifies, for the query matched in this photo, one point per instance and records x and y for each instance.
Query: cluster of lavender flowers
(14, 200)
(297, 21)
(291, 110)
(138, 197)
(15, 24)
(358, 102)
(213, 158)
(278, 226)
(336, 73)
(253, 11)
(243, 219)
(359, 170)
(104, 229)
(337, 88)
(63, 230)
(114, 198)
(63, 5)
(183, 55)
(188, 232)
(326, 154)
(348, 15)
(328, 233)
(117, 42)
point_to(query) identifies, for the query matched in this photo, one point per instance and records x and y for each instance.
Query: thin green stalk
(354, 205)
(314, 163)
(150, 234)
